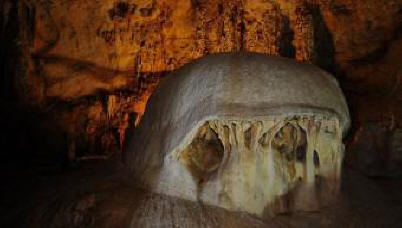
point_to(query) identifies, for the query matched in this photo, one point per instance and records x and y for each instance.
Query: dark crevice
(286, 47)
(220, 8)
(119, 11)
(242, 32)
(247, 138)
(324, 48)
(373, 56)
(301, 153)
(316, 159)
(10, 54)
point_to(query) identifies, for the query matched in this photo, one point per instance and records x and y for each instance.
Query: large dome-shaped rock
(246, 132)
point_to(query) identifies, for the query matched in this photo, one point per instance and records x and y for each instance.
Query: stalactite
(304, 36)
(267, 159)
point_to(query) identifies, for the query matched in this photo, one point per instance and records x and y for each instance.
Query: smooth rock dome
(242, 87)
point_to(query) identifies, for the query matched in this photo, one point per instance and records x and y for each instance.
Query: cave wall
(88, 67)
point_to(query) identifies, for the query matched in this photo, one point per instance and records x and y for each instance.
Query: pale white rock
(245, 132)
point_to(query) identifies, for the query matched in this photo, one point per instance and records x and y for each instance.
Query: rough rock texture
(107, 43)
(271, 145)
(64, 59)
(378, 150)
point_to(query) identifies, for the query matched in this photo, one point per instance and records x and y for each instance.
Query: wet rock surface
(98, 195)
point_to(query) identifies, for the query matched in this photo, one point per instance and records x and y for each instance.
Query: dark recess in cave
(323, 41)
(287, 49)
(119, 11)
(10, 54)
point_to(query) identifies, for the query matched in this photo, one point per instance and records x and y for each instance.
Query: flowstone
(246, 132)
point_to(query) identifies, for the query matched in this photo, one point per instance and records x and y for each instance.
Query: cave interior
(76, 78)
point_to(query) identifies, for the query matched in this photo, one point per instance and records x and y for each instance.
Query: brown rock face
(90, 63)
(73, 43)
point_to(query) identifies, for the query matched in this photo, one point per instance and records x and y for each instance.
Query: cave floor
(97, 194)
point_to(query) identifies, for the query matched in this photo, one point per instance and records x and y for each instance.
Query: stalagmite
(245, 132)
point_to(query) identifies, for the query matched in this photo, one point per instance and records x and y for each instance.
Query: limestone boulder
(246, 132)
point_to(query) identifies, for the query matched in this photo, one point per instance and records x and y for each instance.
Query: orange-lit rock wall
(110, 44)
(103, 59)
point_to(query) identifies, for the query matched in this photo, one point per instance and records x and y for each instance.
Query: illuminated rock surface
(271, 145)
(68, 59)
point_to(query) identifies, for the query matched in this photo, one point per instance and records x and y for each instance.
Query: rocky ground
(98, 194)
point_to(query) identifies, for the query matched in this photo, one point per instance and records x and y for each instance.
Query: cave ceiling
(79, 47)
